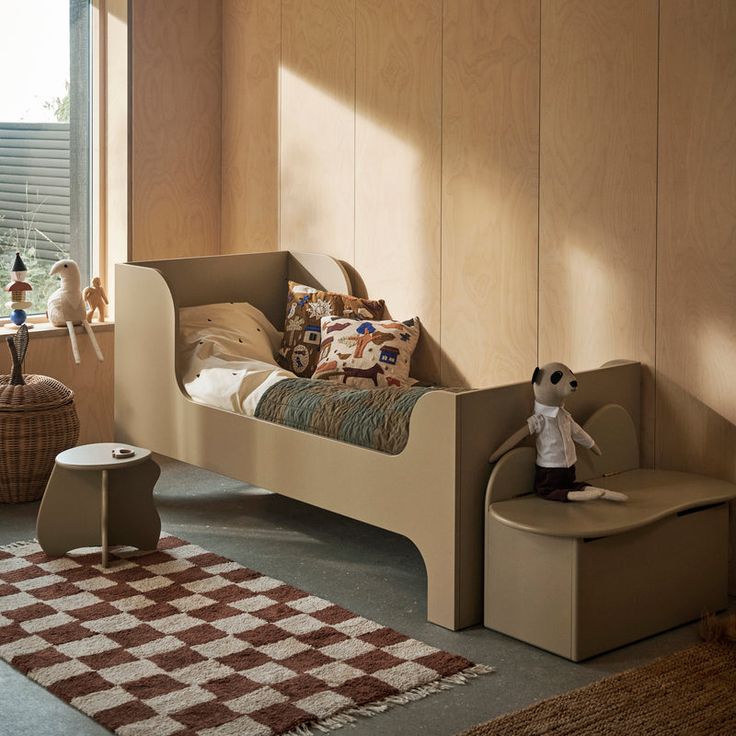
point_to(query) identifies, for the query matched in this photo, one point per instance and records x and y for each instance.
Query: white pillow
(227, 355)
(229, 331)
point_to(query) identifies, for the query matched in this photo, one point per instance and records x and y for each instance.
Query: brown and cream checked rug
(182, 641)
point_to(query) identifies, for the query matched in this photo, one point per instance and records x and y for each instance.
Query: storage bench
(578, 579)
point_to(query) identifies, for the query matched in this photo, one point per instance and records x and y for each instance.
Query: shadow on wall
(688, 429)
(696, 438)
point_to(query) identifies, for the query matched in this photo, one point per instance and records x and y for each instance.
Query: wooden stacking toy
(18, 289)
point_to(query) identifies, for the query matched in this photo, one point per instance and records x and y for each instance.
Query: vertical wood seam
(279, 105)
(222, 114)
(539, 175)
(131, 135)
(441, 364)
(355, 128)
(218, 208)
(655, 463)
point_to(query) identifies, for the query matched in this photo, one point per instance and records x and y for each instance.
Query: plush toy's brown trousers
(555, 483)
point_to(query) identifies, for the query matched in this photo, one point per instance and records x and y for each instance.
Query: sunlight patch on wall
(588, 301)
(316, 166)
(715, 346)
(390, 218)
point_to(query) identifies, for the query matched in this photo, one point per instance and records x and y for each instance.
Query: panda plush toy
(556, 435)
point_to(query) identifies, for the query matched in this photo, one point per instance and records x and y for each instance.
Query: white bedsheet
(227, 355)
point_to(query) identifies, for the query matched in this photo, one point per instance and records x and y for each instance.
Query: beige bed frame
(432, 493)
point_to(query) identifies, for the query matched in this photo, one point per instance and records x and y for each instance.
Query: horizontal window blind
(34, 184)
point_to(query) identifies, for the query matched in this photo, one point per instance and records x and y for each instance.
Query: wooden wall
(398, 162)
(490, 181)
(317, 142)
(251, 49)
(536, 179)
(598, 183)
(696, 264)
(380, 135)
(176, 68)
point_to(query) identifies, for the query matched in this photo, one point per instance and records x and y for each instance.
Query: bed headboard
(257, 278)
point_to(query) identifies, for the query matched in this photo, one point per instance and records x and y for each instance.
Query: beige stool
(93, 499)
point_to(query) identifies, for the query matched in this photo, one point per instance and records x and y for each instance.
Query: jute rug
(182, 641)
(691, 693)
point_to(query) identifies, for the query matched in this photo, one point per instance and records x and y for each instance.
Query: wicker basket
(37, 421)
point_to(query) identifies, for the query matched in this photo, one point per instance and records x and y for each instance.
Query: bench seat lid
(653, 495)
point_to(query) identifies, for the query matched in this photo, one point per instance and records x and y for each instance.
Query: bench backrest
(614, 432)
(611, 427)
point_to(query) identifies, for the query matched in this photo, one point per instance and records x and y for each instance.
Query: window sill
(46, 329)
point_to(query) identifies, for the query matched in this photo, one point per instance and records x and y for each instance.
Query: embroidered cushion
(305, 307)
(366, 353)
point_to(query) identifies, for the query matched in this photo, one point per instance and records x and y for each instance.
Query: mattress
(377, 418)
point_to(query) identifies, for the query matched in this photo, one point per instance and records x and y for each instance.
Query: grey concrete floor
(372, 572)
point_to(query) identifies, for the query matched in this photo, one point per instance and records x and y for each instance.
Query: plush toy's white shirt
(557, 432)
(66, 304)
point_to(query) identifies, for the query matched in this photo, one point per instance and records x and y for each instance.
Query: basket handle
(18, 346)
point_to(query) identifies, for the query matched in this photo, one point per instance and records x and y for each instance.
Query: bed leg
(444, 596)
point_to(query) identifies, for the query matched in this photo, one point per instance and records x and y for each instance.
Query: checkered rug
(183, 641)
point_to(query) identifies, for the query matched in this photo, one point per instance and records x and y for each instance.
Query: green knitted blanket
(377, 418)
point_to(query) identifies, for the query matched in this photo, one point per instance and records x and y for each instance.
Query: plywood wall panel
(598, 182)
(50, 354)
(318, 127)
(251, 54)
(175, 127)
(398, 160)
(696, 310)
(490, 188)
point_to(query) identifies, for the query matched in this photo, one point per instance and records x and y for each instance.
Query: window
(44, 139)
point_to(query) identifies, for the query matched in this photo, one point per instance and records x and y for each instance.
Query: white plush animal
(65, 307)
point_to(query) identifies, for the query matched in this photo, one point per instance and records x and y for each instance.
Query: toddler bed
(432, 491)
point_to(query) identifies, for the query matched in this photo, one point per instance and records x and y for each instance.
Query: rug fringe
(21, 543)
(351, 715)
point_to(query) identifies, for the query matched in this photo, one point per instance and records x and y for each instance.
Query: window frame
(108, 150)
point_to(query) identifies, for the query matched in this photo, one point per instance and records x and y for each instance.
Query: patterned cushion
(363, 353)
(305, 307)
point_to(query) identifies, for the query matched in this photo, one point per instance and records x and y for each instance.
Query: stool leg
(69, 516)
(134, 520)
(103, 518)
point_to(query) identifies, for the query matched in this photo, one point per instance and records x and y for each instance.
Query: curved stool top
(99, 457)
